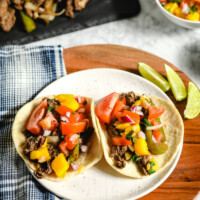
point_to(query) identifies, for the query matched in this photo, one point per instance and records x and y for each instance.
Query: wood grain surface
(184, 182)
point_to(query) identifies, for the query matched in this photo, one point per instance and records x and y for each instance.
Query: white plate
(101, 181)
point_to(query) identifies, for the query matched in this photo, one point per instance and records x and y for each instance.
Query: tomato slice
(155, 112)
(71, 141)
(73, 116)
(63, 148)
(49, 122)
(158, 135)
(69, 128)
(120, 141)
(105, 107)
(133, 116)
(154, 123)
(62, 110)
(37, 114)
(119, 106)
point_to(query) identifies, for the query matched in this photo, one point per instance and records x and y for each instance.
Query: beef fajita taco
(140, 135)
(57, 136)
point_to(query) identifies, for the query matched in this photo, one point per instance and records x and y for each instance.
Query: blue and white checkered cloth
(24, 71)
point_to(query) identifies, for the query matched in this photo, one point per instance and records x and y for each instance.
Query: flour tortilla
(87, 160)
(174, 131)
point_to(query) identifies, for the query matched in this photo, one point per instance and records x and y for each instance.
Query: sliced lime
(177, 85)
(193, 102)
(152, 75)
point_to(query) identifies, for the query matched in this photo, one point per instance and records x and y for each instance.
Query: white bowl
(177, 20)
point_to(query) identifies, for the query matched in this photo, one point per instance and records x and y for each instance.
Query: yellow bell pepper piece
(68, 100)
(155, 167)
(140, 147)
(122, 126)
(39, 153)
(193, 16)
(45, 143)
(60, 165)
(137, 103)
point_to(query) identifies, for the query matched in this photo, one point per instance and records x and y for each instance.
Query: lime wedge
(152, 75)
(177, 85)
(193, 102)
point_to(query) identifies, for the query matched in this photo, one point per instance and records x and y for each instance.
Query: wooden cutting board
(184, 182)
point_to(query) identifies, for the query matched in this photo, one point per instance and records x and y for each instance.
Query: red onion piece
(68, 114)
(80, 140)
(74, 167)
(139, 113)
(185, 9)
(81, 110)
(127, 119)
(84, 148)
(149, 128)
(78, 99)
(142, 134)
(53, 139)
(64, 119)
(133, 108)
(46, 132)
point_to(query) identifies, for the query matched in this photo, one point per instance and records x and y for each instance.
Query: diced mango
(122, 126)
(135, 128)
(193, 16)
(68, 100)
(168, 6)
(80, 169)
(140, 147)
(171, 7)
(39, 153)
(60, 165)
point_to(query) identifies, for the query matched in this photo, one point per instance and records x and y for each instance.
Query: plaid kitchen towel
(24, 71)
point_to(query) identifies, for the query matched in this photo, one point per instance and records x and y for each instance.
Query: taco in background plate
(140, 135)
(57, 136)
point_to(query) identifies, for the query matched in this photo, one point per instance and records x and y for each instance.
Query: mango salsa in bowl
(185, 13)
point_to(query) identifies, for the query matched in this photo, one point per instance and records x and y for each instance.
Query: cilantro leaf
(133, 139)
(85, 102)
(73, 113)
(135, 158)
(50, 108)
(129, 135)
(151, 171)
(147, 123)
(176, 1)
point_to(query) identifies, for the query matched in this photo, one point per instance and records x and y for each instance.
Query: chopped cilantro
(152, 164)
(135, 158)
(50, 108)
(73, 113)
(85, 102)
(147, 123)
(129, 135)
(72, 159)
(62, 136)
(176, 1)
(133, 139)
(151, 171)
(193, 9)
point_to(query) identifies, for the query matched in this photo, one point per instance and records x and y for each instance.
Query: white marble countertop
(149, 31)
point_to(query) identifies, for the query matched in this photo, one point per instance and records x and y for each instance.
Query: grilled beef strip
(142, 163)
(69, 9)
(43, 170)
(130, 97)
(32, 143)
(80, 4)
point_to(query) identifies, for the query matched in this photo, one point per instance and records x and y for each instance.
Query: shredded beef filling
(43, 170)
(32, 143)
(130, 97)
(142, 163)
(117, 153)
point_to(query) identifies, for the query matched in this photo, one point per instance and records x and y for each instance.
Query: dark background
(96, 12)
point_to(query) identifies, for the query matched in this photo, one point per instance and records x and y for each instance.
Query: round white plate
(101, 181)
